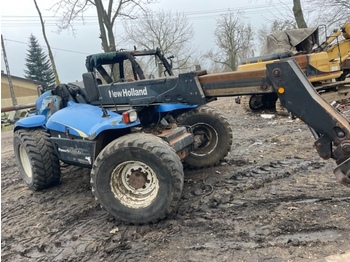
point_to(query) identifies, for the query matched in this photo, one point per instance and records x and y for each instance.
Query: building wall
(25, 90)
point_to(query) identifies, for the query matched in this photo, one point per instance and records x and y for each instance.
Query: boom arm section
(332, 129)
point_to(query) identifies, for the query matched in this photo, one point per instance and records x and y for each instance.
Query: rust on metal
(233, 75)
(179, 140)
(173, 140)
(235, 83)
(137, 179)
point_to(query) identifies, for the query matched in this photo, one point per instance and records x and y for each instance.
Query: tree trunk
(103, 35)
(106, 28)
(111, 39)
(48, 45)
(298, 14)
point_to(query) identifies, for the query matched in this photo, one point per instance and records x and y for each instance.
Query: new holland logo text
(128, 92)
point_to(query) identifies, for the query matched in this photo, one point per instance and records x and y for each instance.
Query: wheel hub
(205, 139)
(134, 184)
(200, 140)
(137, 179)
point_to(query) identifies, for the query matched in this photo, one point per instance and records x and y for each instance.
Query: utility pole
(14, 100)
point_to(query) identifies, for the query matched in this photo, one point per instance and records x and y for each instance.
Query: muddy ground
(272, 199)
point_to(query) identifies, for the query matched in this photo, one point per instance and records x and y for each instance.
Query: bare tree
(234, 40)
(171, 32)
(52, 60)
(277, 25)
(107, 13)
(298, 14)
(329, 12)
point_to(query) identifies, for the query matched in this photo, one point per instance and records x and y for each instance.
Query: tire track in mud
(37, 225)
(248, 178)
(210, 203)
(62, 223)
(237, 212)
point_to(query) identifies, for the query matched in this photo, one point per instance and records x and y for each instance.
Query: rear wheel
(138, 178)
(212, 135)
(38, 163)
(252, 103)
(259, 102)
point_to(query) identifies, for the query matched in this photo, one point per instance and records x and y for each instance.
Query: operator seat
(70, 92)
(91, 87)
(62, 91)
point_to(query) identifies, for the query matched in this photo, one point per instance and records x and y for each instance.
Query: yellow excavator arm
(340, 50)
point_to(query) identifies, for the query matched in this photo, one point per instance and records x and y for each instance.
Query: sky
(19, 19)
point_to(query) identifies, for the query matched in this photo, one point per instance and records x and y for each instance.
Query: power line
(58, 49)
(13, 21)
(31, 20)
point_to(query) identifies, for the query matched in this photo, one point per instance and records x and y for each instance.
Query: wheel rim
(25, 162)
(256, 102)
(205, 139)
(134, 184)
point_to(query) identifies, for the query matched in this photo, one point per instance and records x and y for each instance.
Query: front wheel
(36, 157)
(212, 135)
(138, 178)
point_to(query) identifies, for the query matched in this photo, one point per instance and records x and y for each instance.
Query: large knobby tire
(36, 157)
(138, 178)
(212, 135)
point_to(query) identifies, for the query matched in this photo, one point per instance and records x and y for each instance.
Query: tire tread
(157, 147)
(42, 155)
(206, 110)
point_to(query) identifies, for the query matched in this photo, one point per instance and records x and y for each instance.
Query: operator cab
(121, 66)
(104, 71)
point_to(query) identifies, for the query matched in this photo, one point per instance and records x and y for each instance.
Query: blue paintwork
(85, 120)
(31, 121)
(172, 107)
(40, 99)
(82, 120)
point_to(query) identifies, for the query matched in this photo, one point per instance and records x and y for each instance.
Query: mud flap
(342, 173)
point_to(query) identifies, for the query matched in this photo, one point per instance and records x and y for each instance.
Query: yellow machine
(322, 65)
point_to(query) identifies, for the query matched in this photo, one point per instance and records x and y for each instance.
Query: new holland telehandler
(135, 135)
